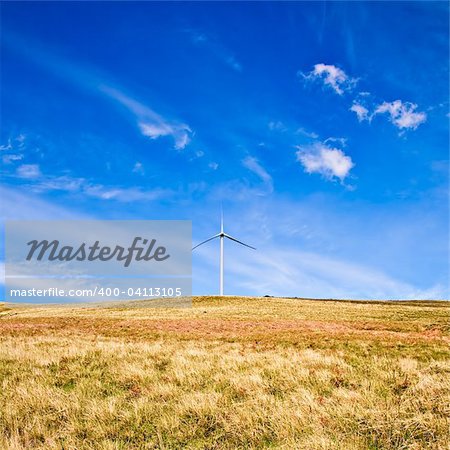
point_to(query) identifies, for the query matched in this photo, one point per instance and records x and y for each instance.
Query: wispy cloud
(316, 275)
(6, 147)
(233, 63)
(150, 123)
(20, 205)
(9, 158)
(203, 39)
(138, 168)
(123, 194)
(331, 76)
(59, 183)
(276, 125)
(39, 182)
(254, 166)
(311, 247)
(13, 149)
(306, 133)
(29, 171)
(337, 140)
(325, 160)
(283, 270)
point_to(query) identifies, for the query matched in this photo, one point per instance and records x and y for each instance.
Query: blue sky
(322, 128)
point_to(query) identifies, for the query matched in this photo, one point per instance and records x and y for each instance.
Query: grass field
(230, 373)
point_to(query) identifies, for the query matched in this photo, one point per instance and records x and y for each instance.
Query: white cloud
(328, 161)
(138, 168)
(181, 136)
(254, 166)
(154, 131)
(402, 114)
(180, 133)
(28, 171)
(332, 76)
(361, 111)
(213, 165)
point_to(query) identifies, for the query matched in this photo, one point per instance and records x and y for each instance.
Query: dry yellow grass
(226, 374)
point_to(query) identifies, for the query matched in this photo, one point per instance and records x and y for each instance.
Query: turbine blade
(204, 242)
(239, 242)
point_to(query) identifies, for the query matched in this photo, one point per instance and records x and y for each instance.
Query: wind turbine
(222, 235)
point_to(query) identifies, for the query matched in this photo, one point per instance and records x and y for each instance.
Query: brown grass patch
(226, 374)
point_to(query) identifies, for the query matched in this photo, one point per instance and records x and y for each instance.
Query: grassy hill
(227, 373)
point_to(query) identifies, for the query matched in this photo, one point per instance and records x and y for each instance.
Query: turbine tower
(222, 235)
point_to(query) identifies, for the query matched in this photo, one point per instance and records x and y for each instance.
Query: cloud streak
(150, 123)
(40, 183)
(29, 171)
(315, 275)
(202, 39)
(19, 205)
(254, 166)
